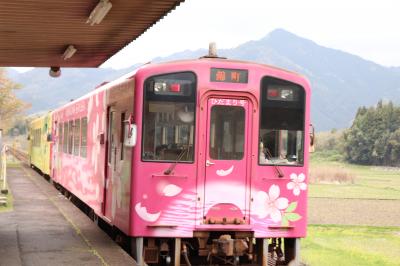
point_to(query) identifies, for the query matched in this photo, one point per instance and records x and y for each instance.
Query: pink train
(196, 162)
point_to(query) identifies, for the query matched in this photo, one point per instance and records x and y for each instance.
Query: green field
(351, 245)
(354, 245)
(369, 183)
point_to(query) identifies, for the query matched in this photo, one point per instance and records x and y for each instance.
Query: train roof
(198, 61)
(207, 60)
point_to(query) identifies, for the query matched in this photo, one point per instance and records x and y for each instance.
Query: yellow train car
(40, 143)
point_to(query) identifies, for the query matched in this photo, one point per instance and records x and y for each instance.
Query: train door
(119, 157)
(227, 161)
(111, 162)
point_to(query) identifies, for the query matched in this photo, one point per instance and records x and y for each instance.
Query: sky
(369, 28)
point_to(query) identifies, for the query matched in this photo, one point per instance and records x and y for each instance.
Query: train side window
(77, 136)
(60, 135)
(70, 136)
(83, 137)
(40, 136)
(282, 117)
(65, 143)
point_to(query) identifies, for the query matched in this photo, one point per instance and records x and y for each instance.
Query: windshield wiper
(277, 168)
(178, 159)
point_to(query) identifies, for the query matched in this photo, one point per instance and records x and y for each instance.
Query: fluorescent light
(99, 12)
(69, 52)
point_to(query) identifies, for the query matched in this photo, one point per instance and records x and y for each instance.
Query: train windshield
(281, 123)
(169, 118)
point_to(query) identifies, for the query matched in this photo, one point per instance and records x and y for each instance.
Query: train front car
(220, 165)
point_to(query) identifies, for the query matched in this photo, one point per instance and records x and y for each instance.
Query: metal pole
(1, 139)
(4, 189)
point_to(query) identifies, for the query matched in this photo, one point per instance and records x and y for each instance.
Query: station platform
(44, 228)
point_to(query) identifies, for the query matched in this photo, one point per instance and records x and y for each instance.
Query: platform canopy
(43, 33)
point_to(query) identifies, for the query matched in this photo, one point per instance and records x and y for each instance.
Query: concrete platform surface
(44, 228)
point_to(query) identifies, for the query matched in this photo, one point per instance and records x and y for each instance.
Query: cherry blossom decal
(222, 172)
(270, 204)
(297, 183)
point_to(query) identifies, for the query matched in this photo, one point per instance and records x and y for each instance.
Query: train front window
(281, 123)
(169, 118)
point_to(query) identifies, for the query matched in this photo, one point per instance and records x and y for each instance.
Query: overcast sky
(369, 28)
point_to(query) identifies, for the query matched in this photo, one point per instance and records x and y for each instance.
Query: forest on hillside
(373, 138)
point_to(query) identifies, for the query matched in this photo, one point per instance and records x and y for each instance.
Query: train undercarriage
(216, 248)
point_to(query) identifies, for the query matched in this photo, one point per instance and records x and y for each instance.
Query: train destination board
(229, 75)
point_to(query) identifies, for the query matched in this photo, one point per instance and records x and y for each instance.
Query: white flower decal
(270, 204)
(297, 183)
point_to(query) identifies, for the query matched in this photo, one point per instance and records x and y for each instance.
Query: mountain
(341, 82)
(46, 93)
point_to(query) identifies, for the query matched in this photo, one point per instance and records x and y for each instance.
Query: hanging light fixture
(69, 52)
(99, 12)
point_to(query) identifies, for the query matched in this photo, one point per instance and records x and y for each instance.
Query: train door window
(65, 143)
(60, 135)
(83, 137)
(281, 122)
(35, 138)
(122, 135)
(110, 135)
(77, 136)
(39, 136)
(169, 117)
(227, 132)
(70, 136)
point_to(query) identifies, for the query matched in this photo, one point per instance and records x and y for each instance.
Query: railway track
(20, 155)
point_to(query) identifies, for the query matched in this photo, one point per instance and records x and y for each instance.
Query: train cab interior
(281, 123)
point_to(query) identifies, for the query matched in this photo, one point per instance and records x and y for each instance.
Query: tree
(374, 136)
(10, 105)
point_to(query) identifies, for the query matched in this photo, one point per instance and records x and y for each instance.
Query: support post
(3, 167)
(137, 250)
(292, 251)
(177, 253)
(262, 257)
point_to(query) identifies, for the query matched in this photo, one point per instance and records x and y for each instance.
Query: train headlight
(287, 94)
(160, 87)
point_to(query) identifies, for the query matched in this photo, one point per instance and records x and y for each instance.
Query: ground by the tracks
(368, 212)
(44, 228)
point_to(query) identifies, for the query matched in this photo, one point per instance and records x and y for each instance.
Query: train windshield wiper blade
(277, 168)
(178, 159)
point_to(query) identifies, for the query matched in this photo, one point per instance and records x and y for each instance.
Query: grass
(368, 182)
(351, 245)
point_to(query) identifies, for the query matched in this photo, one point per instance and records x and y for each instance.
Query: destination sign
(229, 75)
